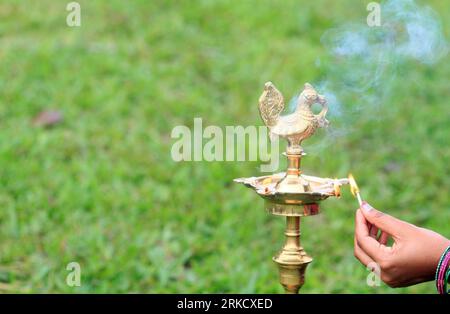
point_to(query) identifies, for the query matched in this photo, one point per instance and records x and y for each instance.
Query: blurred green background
(100, 188)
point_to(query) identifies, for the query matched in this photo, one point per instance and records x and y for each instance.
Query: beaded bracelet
(443, 272)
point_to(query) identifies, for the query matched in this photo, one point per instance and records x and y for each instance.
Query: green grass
(101, 189)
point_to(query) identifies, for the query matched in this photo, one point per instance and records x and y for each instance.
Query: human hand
(412, 258)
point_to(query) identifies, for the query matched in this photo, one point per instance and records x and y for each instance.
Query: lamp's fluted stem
(292, 259)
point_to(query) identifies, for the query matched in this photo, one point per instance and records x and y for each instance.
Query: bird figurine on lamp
(300, 124)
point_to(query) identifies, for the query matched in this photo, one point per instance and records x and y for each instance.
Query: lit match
(354, 188)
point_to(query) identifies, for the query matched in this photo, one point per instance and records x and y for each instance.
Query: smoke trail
(363, 60)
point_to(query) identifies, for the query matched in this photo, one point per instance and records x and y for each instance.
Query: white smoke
(363, 60)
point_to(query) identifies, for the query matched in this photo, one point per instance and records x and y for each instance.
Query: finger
(369, 245)
(373, 231)
(361, 227)
(369, 225)
(384, 237)
(383, 221)
(361, 224)
(360, 255)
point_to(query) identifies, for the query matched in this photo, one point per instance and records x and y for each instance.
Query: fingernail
(366, 207)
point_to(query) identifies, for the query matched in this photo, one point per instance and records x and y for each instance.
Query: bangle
(443, 272)
(447, 277)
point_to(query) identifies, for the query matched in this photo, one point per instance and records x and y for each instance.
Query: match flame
(353, 186)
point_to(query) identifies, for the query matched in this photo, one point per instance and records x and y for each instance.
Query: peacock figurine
(300, 124)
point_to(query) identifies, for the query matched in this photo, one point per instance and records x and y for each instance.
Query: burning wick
(337, 188)
(354, 188)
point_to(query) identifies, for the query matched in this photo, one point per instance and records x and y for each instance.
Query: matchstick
(358, 196)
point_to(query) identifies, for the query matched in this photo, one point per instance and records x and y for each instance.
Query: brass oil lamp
(293, 194)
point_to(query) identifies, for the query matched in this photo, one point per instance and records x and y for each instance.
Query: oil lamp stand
(292, 194)
(292, 260)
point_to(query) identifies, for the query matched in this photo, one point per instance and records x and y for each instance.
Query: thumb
(383, 221)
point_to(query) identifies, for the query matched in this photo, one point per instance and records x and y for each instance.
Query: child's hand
(412, 258)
